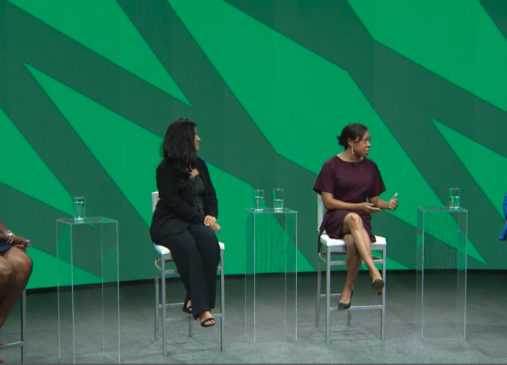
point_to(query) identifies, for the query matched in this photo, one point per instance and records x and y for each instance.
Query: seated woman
(350, 185)
(15, 270)
(185, 218)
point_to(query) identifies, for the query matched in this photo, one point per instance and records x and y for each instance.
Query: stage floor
(360, 343)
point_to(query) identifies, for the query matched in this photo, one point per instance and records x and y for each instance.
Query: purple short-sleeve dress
(351, 183)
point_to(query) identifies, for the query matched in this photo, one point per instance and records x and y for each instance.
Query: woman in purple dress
(350, 185)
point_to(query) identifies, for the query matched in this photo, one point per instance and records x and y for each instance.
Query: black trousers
(196, 254)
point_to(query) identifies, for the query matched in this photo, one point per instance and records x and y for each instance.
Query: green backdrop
(88, 87)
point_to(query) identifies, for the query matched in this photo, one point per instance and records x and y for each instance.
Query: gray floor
(486, 325)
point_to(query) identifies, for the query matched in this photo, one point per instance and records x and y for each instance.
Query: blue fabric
(504, 232)
(503, 235)
(4, 246)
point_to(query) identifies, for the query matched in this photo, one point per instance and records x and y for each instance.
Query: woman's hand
(216, 228)
(20, 242)
(368, 207)
(210, 221)
(393, 203)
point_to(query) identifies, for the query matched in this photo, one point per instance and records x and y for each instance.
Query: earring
(352, 149)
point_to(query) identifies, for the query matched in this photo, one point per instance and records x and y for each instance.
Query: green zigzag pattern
(46, 188)
(87, 116)
(45, 276)
(131, 160)
(473, 155)
(312, 90)
(102, 26)
(456, 39)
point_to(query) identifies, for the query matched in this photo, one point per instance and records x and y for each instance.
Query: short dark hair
(352, 131)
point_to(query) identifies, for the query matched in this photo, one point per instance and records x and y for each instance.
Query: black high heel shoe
(342, 306)
(378, 285)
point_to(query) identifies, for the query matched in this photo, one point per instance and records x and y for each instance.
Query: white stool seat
(333, 242)
(162, 250)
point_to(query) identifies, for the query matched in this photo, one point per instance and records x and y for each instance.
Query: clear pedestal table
(441, 270)
(271, 274)
(88, 315)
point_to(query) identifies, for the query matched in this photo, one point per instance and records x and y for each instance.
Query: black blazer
(174, 211)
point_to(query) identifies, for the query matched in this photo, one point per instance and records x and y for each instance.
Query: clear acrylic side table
(441, 268)
(88, 315)
(270, 274)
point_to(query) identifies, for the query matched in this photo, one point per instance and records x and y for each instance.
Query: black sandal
(208, 322)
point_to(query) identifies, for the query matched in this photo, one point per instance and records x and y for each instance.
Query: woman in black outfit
(185, 218)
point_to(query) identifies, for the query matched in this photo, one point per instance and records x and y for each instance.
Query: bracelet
(9, 233)
(11, 238)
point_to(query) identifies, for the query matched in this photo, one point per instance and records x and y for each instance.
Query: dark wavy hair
(352, 131)
(178, 148)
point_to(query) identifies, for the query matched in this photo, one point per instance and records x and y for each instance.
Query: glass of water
(454, 198)
(259, 199)
(78, 205)
(278, 199)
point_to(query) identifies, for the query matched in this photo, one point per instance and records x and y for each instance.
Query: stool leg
(164, 314)
(157, 304)
(319, 289)
(328, 292)
(190, 326)
(383, 311)
(23, 326)
(222, 300)
(349, 314)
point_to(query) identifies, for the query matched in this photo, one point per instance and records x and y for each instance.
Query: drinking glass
(259, 199)
(278, 199)
(78, 204)
(454, 198)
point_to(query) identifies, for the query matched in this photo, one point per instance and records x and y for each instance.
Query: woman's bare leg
(21, 270)
(7, 276)
(376, 286)
(368, 246)
(353, 224)
(7, 279)
(353, 265)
